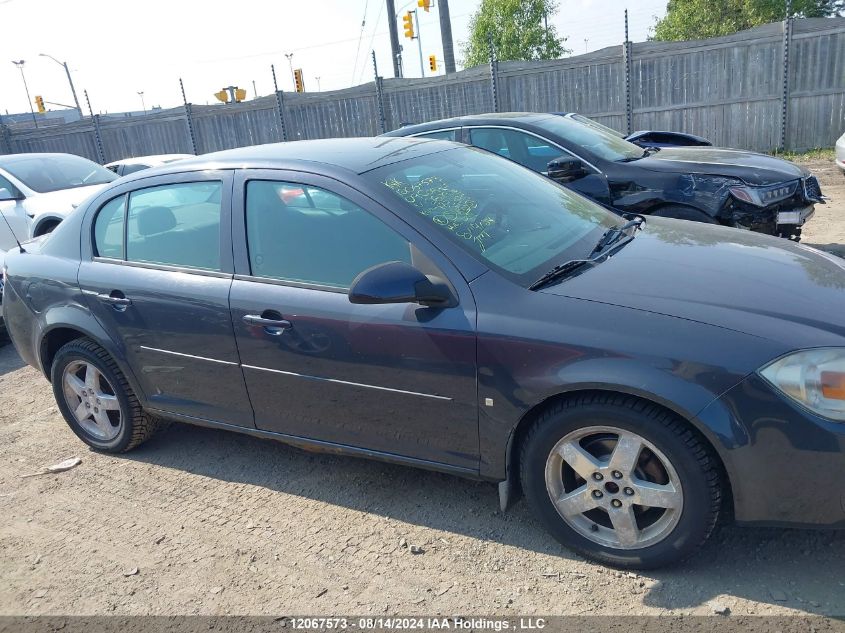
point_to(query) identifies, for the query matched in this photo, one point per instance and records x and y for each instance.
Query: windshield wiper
(560, 271)
(614, 234)
(648, 151)
(611, 237)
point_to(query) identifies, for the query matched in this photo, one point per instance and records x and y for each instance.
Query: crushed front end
(780, 209)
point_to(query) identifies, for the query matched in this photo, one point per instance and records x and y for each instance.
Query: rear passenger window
(176, 225)
(441, 135)
(309, 235)
(108, 229)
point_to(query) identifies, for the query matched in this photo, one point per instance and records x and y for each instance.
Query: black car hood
(752, 168)
(747, 282)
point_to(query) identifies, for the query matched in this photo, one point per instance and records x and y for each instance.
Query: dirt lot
(201, 521)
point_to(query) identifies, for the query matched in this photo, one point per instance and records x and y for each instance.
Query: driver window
(526, 149)
(305, 234)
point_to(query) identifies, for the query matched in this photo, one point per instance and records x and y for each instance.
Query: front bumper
(786, 465)
(795, 217)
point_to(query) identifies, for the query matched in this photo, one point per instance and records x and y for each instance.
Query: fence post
(189, 119)
(494, 71)
(784, 104)
(5, 138)
(98, 141)
(280, 105)
(626, 59)
(379, 97)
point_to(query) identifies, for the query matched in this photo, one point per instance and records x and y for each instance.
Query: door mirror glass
(6, 195)
(397, 282)
(566, 169)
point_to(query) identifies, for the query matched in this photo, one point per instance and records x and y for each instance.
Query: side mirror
(397, 282)
(566, 169)
(6, 195)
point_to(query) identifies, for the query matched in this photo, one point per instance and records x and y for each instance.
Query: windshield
(48, 173)
(511, 218)
(603, 143)
(595, 124)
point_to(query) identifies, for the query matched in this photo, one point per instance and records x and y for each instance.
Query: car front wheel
(620, 481)
(96, 400)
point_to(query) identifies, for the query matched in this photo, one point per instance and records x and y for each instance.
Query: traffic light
(39, 102)
(297, 79)
(425, 5)
(240, 94)
(223, 96)
(408, 25)
(432, 63)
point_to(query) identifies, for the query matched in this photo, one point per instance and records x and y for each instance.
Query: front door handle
(116, 298)
(256, 319)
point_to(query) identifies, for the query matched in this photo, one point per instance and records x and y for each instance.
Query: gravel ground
(199, 521)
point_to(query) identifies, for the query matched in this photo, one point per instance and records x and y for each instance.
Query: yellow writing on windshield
(446, 206)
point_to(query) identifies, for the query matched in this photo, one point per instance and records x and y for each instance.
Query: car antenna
(6, 220)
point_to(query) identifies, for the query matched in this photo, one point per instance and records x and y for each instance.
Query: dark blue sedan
(428, 303)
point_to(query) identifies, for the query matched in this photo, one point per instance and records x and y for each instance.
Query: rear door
(157, 275)
(397, 378)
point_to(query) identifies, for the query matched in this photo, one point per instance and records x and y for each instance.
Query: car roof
(155, 159)
(357, 155)
(489, 118)
(11, 159)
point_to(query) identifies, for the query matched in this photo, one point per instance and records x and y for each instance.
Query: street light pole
(143, 105)
(20, 64)
(290, 63)
(69, 80)
(318, 84)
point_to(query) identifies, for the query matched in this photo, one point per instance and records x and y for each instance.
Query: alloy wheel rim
(614, 487)
(92, 400)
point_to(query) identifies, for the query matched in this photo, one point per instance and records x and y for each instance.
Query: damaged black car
(731, 187)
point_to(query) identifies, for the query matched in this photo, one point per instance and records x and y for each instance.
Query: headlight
(814, 378)
(764, 196)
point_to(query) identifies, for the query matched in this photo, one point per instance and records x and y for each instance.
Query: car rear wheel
(96, 400)
(620, 481)
(680, 212)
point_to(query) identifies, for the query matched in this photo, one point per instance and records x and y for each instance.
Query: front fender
(673, 390)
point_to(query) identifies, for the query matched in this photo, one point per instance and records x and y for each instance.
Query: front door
(397, 378)
(534, 152)
(158, 280)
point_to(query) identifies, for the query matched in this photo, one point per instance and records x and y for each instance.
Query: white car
(38, 190)
(131, 165)
(840, 153)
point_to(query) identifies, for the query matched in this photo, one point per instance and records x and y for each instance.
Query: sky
(117, 49)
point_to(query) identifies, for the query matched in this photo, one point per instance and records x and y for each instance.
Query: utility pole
(143, 105)
(254, 89)
(419, 41)
(446, 36)
(69, 80)
(318, 84)
(20, 64)
(395, 51)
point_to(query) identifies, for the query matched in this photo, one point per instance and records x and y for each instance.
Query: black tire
(136, 426)
(680, 212)
(689, 456)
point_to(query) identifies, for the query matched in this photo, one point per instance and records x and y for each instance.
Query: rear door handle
(115, 298)
(255, 319)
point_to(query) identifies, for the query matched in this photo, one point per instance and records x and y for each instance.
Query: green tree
(518, 30)
(699, 19)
